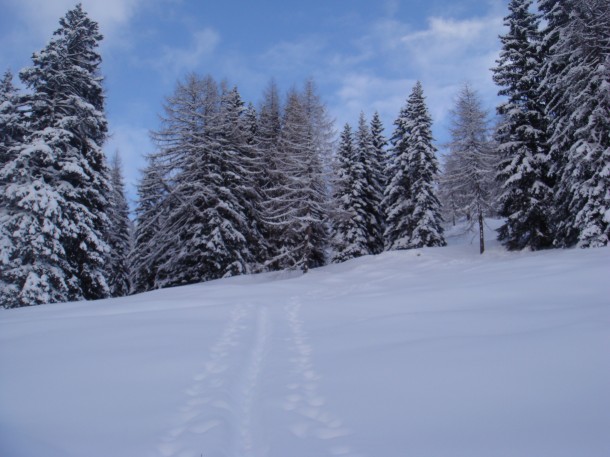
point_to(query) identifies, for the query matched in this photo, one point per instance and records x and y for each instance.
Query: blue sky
(363, 54)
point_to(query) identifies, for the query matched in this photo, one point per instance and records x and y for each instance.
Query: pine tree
(470, 177)
(272, 177)
(378, 168)
(372, 188)
(206, 231)
(297, 208)
(425, 221)
(397, 198)
(12, 119)
(119, 234)
(575, 75)
(412, 208)
(239, 206)
(251, 189)
(350, 232)
(151, 216)
(526, 194)
(379, 143)
(182, 164)
(55, 225)
(319, 171)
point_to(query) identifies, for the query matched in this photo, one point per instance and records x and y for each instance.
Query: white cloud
(453, 44)
(34, 21)
(42, 16)
(174, 61)
(360, 92)
(445, 54)
(294, 55)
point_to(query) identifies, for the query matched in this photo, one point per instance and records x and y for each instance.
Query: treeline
(233, 189)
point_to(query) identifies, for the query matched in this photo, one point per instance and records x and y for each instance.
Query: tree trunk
(481, 235)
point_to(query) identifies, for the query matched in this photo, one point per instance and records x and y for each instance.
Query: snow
(429, 352)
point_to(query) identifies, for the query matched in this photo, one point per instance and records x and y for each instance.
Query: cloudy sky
(363, 54)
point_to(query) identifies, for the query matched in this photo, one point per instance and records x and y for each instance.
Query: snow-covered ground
(428, 353)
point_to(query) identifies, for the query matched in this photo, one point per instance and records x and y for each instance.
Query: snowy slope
(429, 353)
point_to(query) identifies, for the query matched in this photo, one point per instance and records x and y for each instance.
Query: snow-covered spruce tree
(577, 95)
(12, 129)
(57, 184)
(239, 168)
(397, 193)
(119, 234)
(298, 205)
(425, 219)
(471, 174)
(372, 190)
(272, 178)
(258, 148)
(181, 147)
(380, 144)
(412, 208)
(350, 237)
(12, 119)
(526, 194)
(253, 171)
(151, 215)
(206, 229)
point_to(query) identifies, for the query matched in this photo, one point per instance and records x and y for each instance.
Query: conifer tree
(148, 239)
(272, 178)
(470, 177)
(397, 198)
(12, 119)
(350, 238)
(576, 41)
(255, 173)
(55, 226)
(526, 192)
(380, 144)
(206, 230)
(412, 207)
(119, 234)
(298, 207)
(368, 153)
(250, 188)
(182, 164)
(449, 195)
(425, 221)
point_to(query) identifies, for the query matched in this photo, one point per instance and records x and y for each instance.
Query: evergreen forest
(236, 188)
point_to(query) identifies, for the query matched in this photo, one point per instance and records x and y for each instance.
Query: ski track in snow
(208, 413)
(306, 403)
(219, 416)
(247, 440)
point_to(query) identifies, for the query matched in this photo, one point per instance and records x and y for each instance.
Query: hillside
(427, 353)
